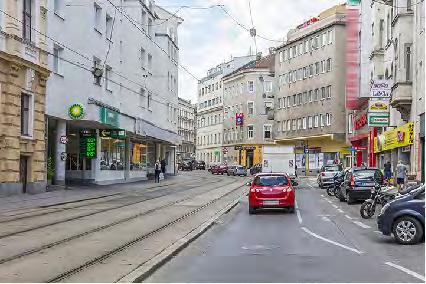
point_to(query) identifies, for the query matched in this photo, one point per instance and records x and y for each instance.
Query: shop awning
(148, 129)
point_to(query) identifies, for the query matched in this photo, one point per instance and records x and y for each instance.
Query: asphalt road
(324, 241)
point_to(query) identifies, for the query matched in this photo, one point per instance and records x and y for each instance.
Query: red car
(219, 169)
(268, 190)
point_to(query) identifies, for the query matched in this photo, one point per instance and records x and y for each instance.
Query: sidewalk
(78, 193)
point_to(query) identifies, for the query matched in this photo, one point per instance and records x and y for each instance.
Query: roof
(270, 174)
(262, 63)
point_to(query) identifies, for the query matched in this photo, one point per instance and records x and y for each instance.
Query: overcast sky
(208, 37)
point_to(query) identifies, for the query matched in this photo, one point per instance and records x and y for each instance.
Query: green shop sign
(76, 111)
(110, 117)
(88, 144)
(353, 2)
(112, 133)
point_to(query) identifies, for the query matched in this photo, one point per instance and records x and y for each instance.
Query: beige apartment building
(23, 75)
(310, 100)
(186, 129)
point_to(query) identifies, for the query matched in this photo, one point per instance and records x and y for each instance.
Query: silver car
(237, 171)
(326, 175)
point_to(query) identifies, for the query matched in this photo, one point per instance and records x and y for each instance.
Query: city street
(324, 241)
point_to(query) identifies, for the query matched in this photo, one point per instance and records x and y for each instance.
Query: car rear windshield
(241, 168)
(366, 175)
(334, 168)
(271, 181)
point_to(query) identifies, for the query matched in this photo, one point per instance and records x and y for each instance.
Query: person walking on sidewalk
(388, 171)
(401, 174)
(163, 166)
(157, 168)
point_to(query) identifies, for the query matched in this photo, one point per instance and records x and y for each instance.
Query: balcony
(402, 98)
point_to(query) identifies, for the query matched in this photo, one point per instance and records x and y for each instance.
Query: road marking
(412, 273)
(340, 210)
(329, 201)
(349, 217)
(335, 206)
(299, 217)
(378, 232)
(295, 204)
(322, 195)
(324, 218)
(362, 225)
(330, 241)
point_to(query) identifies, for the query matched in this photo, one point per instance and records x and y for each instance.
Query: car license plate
(270, 202)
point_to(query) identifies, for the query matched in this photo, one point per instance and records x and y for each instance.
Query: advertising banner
(399, 137)
(378, 119)
(378, 105)
(381, 89)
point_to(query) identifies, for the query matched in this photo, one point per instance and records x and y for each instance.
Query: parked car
(211, 166)
(185, 165)
(200, 165)
(219, 169)
(359, 182)
(256, 169)
(326, 175)
(237, 171)
(269, 190)
(404, 217)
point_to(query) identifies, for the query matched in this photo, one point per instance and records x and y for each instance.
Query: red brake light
(352, 181)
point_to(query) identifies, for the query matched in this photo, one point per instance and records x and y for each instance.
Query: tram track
(106, 226)
(134, 241)
(90, 204)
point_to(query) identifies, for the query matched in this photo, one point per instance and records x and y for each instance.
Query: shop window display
(112, 154)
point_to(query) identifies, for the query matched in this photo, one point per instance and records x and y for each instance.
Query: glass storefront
(138, 156)
(112, 154)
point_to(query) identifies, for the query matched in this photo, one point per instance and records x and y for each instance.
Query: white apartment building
(186, 129)
(112, 100)
(210, 110)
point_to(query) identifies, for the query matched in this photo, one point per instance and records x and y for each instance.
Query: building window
(250, 85)
(25, 114)
(98, 15)
(108, 71)
(149, 101)
(267, 129)
(317, 68)
(328, 119)
(149, 62)
(316, 95)
(350, 123)
(97, 71)
(289, 101)
(316, 124)
(321, 118)
(322, 66)
(310, 96)
(324, 39)
(288, 125)
(407, 62)
(294, 100)
(323, 93)
(329, 65)
(305, 97)
(57, 55)
(27, 20)
(304, 123)
(109, 26)
(150, 27)
(268, 86)
(330, 37)
(328, 92)
(310, 122)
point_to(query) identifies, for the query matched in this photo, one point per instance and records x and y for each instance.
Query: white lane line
(330, 241)
(412, 273)
(349, 217)
(322, 195)
(378, 232)
(299, 217)
(362, 225)
(329, 201)
(340, 210)
(295, 204)
(335, 206)
(324, 218)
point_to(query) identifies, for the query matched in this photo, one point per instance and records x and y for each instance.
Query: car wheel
(349, 199)
(290, 209)
(330, 191)
(233, 174)
(407, 230)
(252, 210)
(227, 174)
(366, 210)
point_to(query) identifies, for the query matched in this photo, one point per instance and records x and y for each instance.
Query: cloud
(208, 37)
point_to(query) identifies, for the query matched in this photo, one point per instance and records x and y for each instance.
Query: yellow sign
(395, 138)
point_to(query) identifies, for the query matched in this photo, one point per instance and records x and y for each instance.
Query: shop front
(248, 155)
(395, 145)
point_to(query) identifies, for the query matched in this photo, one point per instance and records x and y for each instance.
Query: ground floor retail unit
(91, 152)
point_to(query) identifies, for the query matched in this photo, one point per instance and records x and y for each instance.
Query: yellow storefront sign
(395, 138)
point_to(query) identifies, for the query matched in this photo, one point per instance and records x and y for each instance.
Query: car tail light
(352, 181)
(252, 189)
(288, 189)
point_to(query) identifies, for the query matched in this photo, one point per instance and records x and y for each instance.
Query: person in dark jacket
(163, 166)
(388, 171)
(157, 168)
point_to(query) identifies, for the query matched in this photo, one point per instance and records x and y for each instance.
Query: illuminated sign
(308, 23)
(112, 133)
(239, 119)
(402, 136)
(360, 121)
(88, 144)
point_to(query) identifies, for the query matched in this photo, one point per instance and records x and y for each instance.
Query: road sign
(378, 119)
(239, 119)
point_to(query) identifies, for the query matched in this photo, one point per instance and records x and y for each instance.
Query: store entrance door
(23, 172)
(249, 158)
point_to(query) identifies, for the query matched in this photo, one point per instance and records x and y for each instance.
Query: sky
(208, 37)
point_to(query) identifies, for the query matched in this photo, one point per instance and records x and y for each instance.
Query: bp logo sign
(76, 111)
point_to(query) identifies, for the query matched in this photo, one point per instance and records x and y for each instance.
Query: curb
(149, 267)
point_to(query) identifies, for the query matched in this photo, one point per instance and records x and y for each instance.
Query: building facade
(248, 111)
(23, 75)
(310, 97)
(111, 80)
(210, 110)
(186, 129)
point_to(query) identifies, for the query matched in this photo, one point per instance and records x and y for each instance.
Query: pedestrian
(163, 166)
(157, 168)
(295, 170)
(388, 171)
(401, 174)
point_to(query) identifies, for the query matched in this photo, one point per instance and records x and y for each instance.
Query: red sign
(360, 121)
(352, 57)
(307, 23)
(239, 119)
